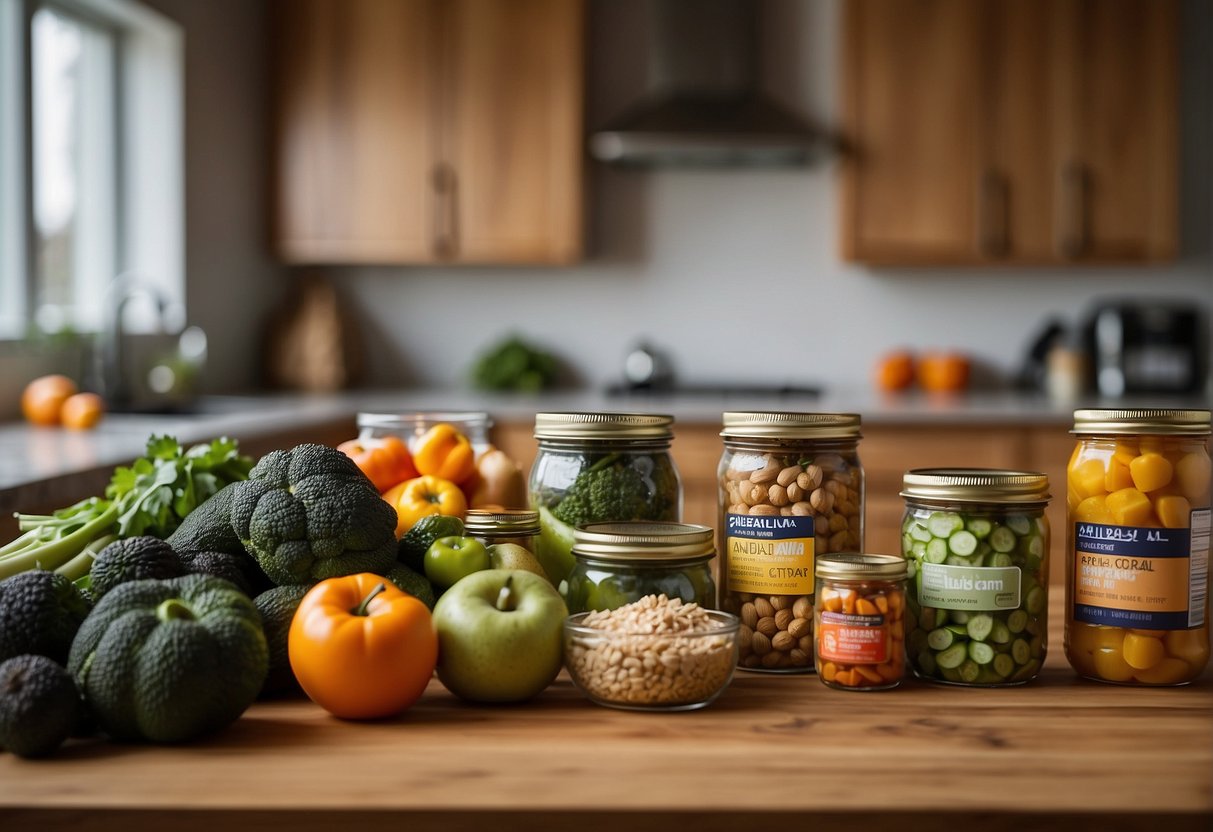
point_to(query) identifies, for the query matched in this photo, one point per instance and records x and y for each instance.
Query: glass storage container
(1137, 566)
(410, 427)
(859, 621)
(517, 526)
(596, 468)
(977, 545)
(791, 488)
(618, 563)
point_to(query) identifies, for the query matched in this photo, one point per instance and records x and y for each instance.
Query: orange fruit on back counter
(895, 371)
(43, 398)
(82, 411)
(945, 372)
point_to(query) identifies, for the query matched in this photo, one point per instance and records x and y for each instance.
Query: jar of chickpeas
(791, 488)
(1137, 572)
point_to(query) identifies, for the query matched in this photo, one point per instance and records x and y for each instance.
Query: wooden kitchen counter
(1059, 753)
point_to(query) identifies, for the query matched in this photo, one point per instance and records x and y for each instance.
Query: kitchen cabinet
(418, 131)
(1010, 132)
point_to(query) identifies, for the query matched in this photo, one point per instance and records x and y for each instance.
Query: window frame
(148, 234)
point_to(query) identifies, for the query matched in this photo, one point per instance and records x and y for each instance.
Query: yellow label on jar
(770, 555)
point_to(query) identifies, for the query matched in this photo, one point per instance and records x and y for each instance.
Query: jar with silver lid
(618, 563)
(595, 468)
(791, 487)
(410, 427)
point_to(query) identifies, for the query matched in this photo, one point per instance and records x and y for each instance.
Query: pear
(513, 556)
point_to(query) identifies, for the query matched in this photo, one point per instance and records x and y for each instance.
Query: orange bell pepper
(421, 496)
(361, 648)
(442, 451)
(385, 461)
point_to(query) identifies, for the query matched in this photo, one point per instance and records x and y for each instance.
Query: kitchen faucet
(122, 290)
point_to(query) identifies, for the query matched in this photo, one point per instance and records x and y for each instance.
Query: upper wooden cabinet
(429, 131)
(1010, 131)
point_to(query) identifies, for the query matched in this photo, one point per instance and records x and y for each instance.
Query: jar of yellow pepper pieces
(1138, 566)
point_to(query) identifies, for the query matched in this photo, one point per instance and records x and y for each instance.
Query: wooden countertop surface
(1060, 753)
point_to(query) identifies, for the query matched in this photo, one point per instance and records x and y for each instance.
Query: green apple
(513, 556)
(450, 558)
(500, 635)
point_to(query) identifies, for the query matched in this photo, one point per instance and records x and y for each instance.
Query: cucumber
(981, 652)
(1020, 524)
(1035, 601)
(944, 523)
(961, 543)
(1001, 560)
(957, 629)
(926, 663)
(919, 533)
(1017, 621)
(1002, 539)
(1004, 665)
(980, 626)
(959, 616)
(1000, 633)
(950, 674)
(969, 671)
(952, 658)
(1021, 651)
(979, 527)
(937, 551)
(940, 639)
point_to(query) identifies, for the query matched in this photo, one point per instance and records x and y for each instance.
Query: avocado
(415, 542)
(277, 607)
(39, 705)
(40, 612)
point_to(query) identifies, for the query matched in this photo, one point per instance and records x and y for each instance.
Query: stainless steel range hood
(702, 106)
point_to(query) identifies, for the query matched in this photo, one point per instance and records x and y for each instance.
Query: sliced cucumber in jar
(961, 543)
(1002, 539)
(940, 639)
(937, 551)
(952, 658)
(979, 626)
(979, 527)
(1004, 665)
(944, 523)
(981, 652)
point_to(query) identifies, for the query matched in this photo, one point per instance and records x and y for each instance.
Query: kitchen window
(90, 164)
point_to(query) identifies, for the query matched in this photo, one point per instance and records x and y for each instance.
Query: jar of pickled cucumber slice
(976, 542)
(1137, 568)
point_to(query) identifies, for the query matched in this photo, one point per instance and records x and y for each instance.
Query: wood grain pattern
(1057, 752)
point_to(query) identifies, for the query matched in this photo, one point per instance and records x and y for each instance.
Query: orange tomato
(421, 496)
(82, 411)
(943, 372)
(442, 451)
(386, 462)
(43, 398)
(895, 371)
(361, 648)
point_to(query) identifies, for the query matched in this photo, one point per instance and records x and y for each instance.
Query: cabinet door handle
(992, 215)
(446, 242)
(1072, 211)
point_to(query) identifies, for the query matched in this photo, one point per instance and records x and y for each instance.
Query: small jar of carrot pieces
(859, 620)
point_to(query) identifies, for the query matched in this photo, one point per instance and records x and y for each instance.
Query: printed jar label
(1152, 579)
(772, 555)
(853, 639)
(968, 587)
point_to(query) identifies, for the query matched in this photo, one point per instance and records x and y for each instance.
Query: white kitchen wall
(736, 272)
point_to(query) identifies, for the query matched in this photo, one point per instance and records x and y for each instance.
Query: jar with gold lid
(596, 468)
(791, 487)
(977, 545)
(1137, 567)
(493, 526)
(859, 620)
(619, 563)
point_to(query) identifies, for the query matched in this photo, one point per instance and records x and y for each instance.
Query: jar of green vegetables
(977, 545)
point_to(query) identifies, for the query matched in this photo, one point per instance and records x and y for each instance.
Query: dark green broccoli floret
(277, 607)
(208, 528)
(408, 581)
(170, 660)
(133, 559)
(39, 705)
(615, 487)
(40, 612)
(309, 514)
(234, 568)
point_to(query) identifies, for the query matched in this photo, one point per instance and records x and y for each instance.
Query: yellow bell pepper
(422, 496)
(442, 451)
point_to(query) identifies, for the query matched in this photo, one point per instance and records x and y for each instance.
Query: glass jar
(490, 527)
(1137, 566)
(410, 427)
(618, 563)
(977, 545)
(791, 488)
(596, 468)
(859, 621)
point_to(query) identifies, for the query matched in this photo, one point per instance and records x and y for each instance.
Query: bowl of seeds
(655, 654)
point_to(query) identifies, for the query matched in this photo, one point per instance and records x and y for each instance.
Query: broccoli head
(619, 487)
(40, 612)
(133, 559)
(309, 514)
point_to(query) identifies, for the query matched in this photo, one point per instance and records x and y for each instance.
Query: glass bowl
(671, 671)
